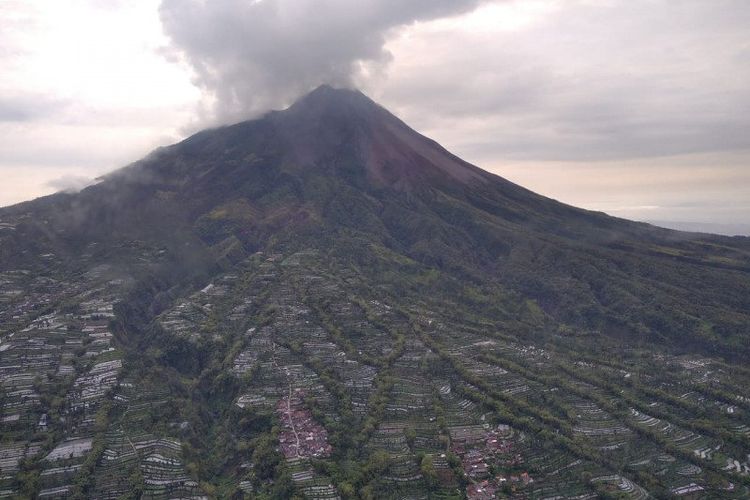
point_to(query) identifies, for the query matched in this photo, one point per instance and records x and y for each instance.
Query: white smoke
(253, 55)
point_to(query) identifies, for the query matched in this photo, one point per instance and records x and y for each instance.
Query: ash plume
(253, 55)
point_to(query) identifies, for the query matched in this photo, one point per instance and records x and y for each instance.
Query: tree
(411, 436)
(347, 490)
(427, 467)
(265, 457)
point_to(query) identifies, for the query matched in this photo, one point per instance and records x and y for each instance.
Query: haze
(638, 108)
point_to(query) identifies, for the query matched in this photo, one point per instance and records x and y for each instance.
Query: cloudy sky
(640, 108)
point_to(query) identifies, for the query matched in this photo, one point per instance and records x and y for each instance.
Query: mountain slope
(336, 163)
(328, 268)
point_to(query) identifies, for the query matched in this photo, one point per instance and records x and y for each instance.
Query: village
(300, 436)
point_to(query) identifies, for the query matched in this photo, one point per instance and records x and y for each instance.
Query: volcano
(324, 303)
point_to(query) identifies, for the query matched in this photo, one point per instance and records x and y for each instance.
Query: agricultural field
(285, 376)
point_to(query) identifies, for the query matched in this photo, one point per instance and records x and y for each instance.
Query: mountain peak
(329, 93)
(332, 101)
(325, 121)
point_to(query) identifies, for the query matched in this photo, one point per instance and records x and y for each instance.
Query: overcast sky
(640, 108)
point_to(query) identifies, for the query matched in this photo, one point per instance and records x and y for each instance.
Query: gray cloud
(585, 81)
(255, 55)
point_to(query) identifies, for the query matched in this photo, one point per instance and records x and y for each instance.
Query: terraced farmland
(308, 382)
(319, 386)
